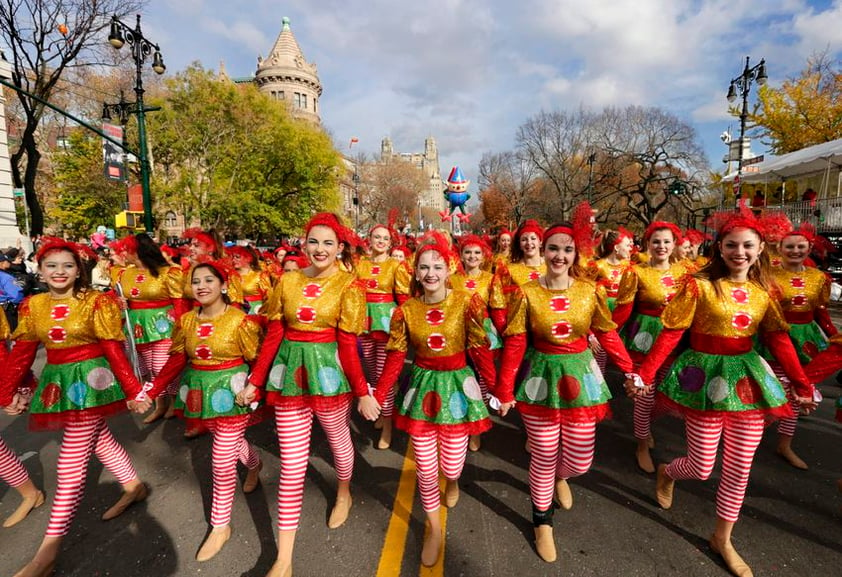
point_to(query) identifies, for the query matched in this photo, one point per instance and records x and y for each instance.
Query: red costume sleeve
(664, 345)
(121, 367)
(181, 306)
(823, 364)
(622, 313)
(484, 362)
(781, 346)
(19, 361)
(514, 348)
(402, 298)
(169, 372)
(349, 358)
(389, 377)
(616, 350)
(498, 317)
(822, 317)
(263, 363)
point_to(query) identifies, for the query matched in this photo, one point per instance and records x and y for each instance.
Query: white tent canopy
(805, 162)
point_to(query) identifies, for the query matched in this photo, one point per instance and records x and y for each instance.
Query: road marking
(393, 546)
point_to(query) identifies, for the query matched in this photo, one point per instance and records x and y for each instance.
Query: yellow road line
(393, 546)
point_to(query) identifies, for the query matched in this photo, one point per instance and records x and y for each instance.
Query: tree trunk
(33, 158)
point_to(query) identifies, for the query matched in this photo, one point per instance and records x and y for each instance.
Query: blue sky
(469, 72)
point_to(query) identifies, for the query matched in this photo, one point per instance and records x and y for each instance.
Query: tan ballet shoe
(136, 495)
(733, 561)
(644, 459)
(451, 493)
(790, 457)
(563, 494)
(378, 424)
(651, 442)
(474, 443)
(431, 548)
(36, 569)
(161, 407)
(340, 511)
(664, 487)
(385, 440)
(214, 543)
(545, 543)
(252, 479)
(277, 570)
(27, 505)
(194, 433)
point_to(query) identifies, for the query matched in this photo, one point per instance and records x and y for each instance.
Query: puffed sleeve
(398, 340)
(352, 311)
(264, 284)
(273, 308)
(403, 279)
(516, 317)
(107, 318)
(497, 298)
(680, 311)
(628, 287)
(248, 338)
(178, 341)
(601, 320)
(477, 313)
(25, 330)
(235, 288)
(774, 319)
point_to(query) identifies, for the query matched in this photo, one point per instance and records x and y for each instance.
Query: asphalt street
(790, 524)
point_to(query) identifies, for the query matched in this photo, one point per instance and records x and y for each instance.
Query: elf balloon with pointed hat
(456, 195)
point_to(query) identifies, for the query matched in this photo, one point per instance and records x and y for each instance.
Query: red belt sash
(799, 317)
(714, 345)
(218, 366)
(447, 363)
(74, 354)
(320, 336)
(379, 298)
(577, 346)
(253, 298)
(649, 310)
(136, 305)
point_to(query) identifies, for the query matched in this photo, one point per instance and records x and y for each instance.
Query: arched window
(170, 220)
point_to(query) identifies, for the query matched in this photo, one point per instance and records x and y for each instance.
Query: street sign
(755, 160)
(17, 192)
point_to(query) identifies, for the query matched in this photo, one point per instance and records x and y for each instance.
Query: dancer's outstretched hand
(368, 407)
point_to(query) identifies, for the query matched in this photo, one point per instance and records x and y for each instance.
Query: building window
(296, 101)
(304, 101)
(170, 220)
(281, 95)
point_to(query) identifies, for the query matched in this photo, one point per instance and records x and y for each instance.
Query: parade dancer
(87, 378)
(561, 393)
(255, 282)
(152, 289)
(215, 342)
(524, 265)
(644, 291)
(315, 316)
(12, 470)
(504, 250)
(614, 252)
(720, 384)
(442, 404)
(386, 281)
(805, 295)
(475, 256)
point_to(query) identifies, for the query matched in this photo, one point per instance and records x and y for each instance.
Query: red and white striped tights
(741, 434)
(374, 357)
(153, 357)
(786, 425)
(12, 470)
(294, 427)
(644, 405)
(431, 452)
(229, 446)
(559, 450)
(79, 441)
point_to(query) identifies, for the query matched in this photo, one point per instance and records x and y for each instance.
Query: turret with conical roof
(285, 75)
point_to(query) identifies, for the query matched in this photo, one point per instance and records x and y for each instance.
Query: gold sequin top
(649, 286)
(114, 272)
(475, 284)
(5, 332)
(802, 291)
(139, 285)
(235, 287)
(317, 304)
(505, 278)
(744, 309)
(229, 336)
(445, 328)
(609, 275)
(558, 316)
(256, 283)
(70, 322)
(384, 277)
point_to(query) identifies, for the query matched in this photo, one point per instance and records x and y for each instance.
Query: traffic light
(129, 219)
(677, 187)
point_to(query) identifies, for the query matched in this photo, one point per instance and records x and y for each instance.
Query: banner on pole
(113, 157)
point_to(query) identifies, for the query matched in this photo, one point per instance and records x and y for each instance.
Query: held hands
(634, 386)
(139, 407)
(368, 407)
(246, 397)
(594, 343)
(20, 403)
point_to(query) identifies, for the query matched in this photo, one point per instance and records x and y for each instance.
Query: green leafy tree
(85, 198)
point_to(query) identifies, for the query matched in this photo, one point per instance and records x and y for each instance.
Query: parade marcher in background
(805, 295)
(101, 274)
(400, 253)
(152, 289)
(256, 283)
(696, 239)
(504, 249)
(386, 284)
(11, 294)
(86, 379)
(561, 393)
(217, 341)
(442, 404)
(524, 265)
(12, 470)
(720, 384)
(315, 316)
(645, 289)
(294, 261)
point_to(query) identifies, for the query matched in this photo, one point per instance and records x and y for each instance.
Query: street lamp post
(120, 34)
(591, 160)
(356, 179)
(742, 83)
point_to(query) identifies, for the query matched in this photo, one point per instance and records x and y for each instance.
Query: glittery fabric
(256, 283)
(318, 304)
(139, 286)
(71, 321)
(211, 394)
(558, 316)
(476, 284)
(609, 275)
(648, 286)
(385, 277)
(802, 291)
(5, 333)
(207, 342)
(510, 276)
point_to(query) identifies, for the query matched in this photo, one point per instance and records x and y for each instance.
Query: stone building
(431, 197)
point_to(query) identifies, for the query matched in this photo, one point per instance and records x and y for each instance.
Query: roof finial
(285, 22)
